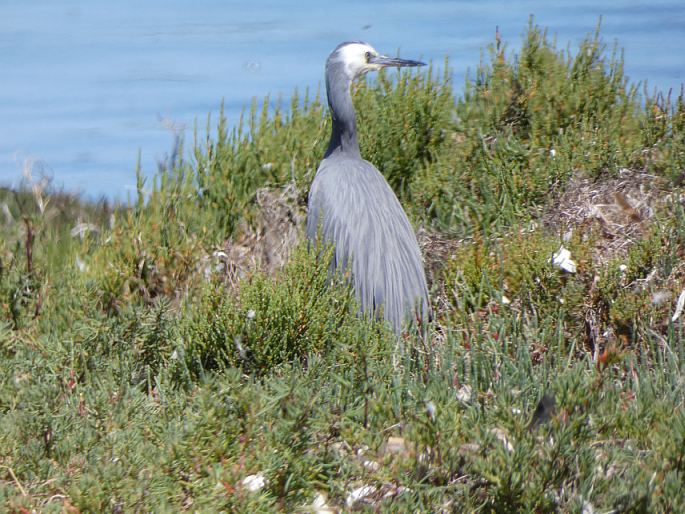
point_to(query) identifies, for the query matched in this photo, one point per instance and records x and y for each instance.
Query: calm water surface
(85, 85)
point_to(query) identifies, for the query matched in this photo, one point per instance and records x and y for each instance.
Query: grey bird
(352, 206)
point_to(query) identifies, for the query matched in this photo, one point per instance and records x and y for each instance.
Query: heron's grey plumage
(355, 208)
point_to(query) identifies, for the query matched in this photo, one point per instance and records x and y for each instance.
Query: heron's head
(356, 58)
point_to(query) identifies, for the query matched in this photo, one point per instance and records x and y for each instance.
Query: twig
(29, 246)
(16, 480)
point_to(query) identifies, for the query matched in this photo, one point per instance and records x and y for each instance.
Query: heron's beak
(384, 61)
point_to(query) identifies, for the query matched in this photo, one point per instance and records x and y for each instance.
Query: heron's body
(355, 208)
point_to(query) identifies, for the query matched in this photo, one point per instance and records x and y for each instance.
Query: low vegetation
(189, 352)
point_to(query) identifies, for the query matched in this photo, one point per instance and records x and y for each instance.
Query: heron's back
(359, 212)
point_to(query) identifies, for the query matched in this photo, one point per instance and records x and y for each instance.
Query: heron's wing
(352, 206)
(331, 209)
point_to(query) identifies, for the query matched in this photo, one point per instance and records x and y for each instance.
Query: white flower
(431, 410)
(320, 505)
(82, 266)
(464, 394)
(254, 483)
(587, 507)
(562, 259)
(371, 465)
(359, 494)
(239, 347)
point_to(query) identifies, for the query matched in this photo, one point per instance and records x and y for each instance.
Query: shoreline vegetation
(188, 352)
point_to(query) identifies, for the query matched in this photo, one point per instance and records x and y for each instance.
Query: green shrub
(274, 320)
(523, 126)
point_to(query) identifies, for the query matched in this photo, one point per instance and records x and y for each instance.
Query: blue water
(85, 85)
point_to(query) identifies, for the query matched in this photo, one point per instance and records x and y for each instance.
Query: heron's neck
(344, 130)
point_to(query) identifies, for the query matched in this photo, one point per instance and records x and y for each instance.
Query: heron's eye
(367, 56)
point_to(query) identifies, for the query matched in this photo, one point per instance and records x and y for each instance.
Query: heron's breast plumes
(359, 213)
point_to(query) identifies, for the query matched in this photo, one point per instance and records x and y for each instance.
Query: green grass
(148, 364)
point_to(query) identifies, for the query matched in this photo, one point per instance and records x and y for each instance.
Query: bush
(274, 320)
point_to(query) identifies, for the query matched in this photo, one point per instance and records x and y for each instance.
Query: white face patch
(354, 58)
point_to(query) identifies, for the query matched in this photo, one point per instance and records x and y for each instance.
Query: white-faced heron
(355, 208)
